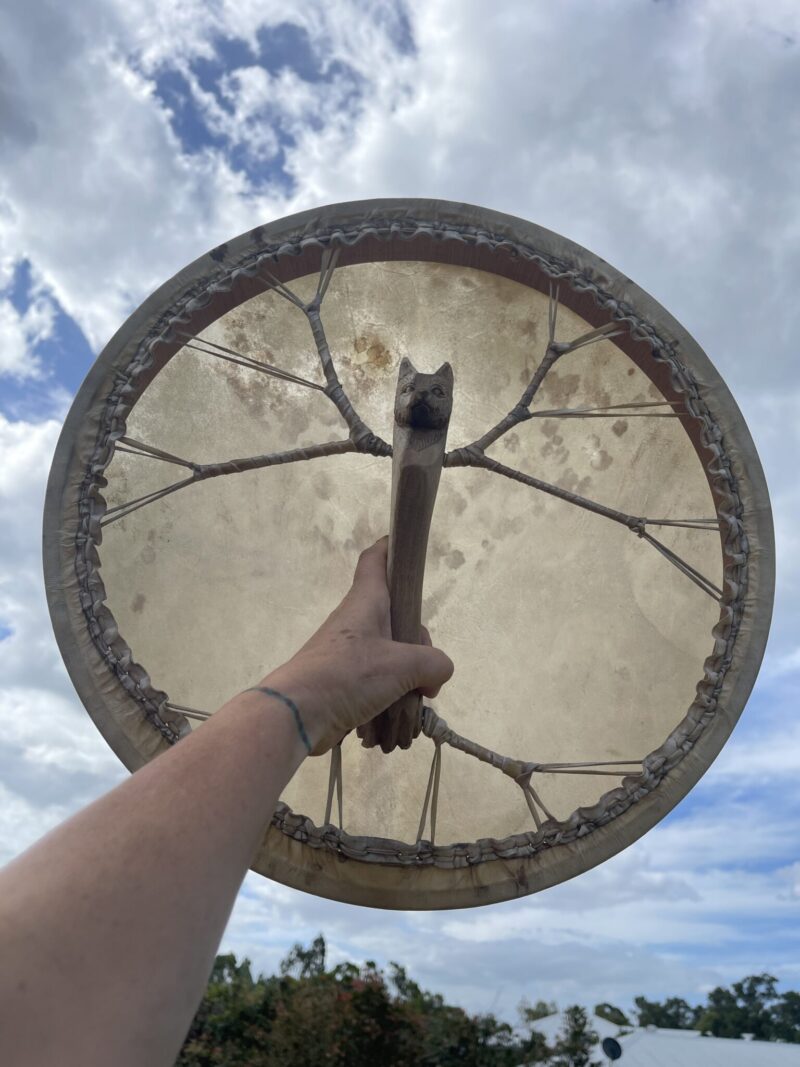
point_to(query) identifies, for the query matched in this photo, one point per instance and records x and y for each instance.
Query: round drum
(600, 560)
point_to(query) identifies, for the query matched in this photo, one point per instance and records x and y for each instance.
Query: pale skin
(109, 925)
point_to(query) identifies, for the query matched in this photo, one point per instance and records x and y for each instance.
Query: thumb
(426, 668)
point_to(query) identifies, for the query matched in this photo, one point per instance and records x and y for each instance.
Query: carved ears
(407, 367)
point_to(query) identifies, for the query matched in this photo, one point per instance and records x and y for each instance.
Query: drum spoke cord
(202, 471)
(212, 348)
(554, 351)
(136, 448)
(520, 771)
(360, 434)
(634, 523)
(335, 782)
(432, 793)
(362, 439)
(437, 729)
(613, 411)
(121, 510)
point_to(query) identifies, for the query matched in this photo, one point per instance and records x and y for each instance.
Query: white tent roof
(652, 1047)
(666, 1048)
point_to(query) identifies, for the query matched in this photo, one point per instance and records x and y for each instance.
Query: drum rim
(444, 232)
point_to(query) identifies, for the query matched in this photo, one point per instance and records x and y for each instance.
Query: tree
(534, 1048)
(233, 1022)
(347, 1016)
(449, 1036)
(745, 1008)
(786, 1018)
(673, 1014)
(358, 1016)
(573, 1047)
(344, 1017)
(612, 1014)
(306, 962)
(751, 1006)
(540, 1010)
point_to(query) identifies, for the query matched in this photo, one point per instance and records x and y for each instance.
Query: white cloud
(772, 753)
(98, 193)
(99, 168)
(24, 821)
(788, 663)
(20, 333)
(52, 759)
(27, 449)
(53, 733)
(29, 653)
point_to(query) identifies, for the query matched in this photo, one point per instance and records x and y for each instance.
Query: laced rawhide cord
(335, 781)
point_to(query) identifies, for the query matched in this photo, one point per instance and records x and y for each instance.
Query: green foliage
(351, 1016)
(786, 1018)
(534, 1048)
(347, 1016)
(673, 1014)
(575, 1042)
(752, 1006)
(306, 962)
(745, 1008)
(529, 1013)
(612, 1014)
(233, 1021)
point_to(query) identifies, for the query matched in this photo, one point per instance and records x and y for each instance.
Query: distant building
(652, 1047)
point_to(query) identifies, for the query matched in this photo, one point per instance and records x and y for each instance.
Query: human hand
(351, 669)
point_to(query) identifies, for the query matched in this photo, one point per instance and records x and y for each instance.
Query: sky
(664, 135)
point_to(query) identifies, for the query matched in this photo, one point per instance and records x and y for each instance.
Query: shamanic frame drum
(600, 563)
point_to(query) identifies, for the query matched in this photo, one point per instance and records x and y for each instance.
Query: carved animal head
(423, 401)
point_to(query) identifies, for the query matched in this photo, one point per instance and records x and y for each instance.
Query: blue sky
(664, 136)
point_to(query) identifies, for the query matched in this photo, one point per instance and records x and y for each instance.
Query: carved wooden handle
(414, 483)
(417, 459)
(408, 545)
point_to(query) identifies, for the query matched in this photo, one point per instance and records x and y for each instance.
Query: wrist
(289, 705)
(297, 701)
(266, 723)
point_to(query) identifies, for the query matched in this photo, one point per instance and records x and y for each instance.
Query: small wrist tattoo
(290, 704)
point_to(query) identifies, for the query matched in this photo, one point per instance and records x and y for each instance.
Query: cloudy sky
(665, 136)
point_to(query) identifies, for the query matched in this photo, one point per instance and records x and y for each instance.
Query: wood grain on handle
(417, 459)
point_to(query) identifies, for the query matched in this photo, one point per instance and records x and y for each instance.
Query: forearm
(110, 924)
